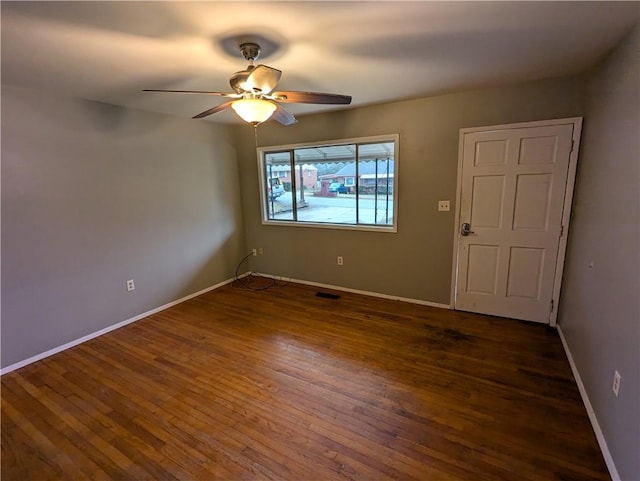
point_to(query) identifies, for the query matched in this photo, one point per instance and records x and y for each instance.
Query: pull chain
(255, 134)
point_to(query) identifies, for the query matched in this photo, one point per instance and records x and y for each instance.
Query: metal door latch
(464, 230)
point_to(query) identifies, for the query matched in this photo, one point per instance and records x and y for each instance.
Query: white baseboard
(590, 412)
(113, 327)
(583, 393)
(118, 325)
(357, 291)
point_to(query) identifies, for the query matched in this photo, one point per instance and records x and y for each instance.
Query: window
(343, 184)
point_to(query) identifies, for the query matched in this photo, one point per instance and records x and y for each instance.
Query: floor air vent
(327, 295)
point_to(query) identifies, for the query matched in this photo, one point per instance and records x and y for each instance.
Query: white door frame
(566, 213)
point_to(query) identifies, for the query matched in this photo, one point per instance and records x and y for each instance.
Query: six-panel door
(512, 197)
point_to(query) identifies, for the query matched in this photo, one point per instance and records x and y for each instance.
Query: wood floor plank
(281, 385)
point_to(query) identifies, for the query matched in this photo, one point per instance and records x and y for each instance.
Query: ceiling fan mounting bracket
(250, 51)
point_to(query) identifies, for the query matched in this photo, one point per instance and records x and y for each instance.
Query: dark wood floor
(282, 385)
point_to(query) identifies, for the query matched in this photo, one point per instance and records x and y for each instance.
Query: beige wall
(416, 262)
(600, 307)
(93, 195)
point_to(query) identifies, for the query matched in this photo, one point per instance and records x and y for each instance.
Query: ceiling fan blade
(282, 116)
(213, 110)
(310, 97)
(205, 92)
(263, 79)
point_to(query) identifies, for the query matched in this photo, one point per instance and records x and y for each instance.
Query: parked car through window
(339, 188)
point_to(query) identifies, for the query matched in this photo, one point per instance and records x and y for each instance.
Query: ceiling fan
(253, 97)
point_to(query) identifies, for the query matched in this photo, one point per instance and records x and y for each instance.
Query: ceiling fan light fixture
(254, 111)
(254, 100)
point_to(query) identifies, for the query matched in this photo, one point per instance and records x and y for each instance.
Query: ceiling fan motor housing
(238, 81)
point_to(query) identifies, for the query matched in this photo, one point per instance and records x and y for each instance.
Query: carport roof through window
(335, 153)
(348, 184)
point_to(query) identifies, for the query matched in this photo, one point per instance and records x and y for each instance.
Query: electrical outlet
(340, 261)
(255, 252)
(260, 251)
(444, 206)
(130, 285)
(617, 378)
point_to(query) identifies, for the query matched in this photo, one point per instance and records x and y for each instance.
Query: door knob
(464, 230)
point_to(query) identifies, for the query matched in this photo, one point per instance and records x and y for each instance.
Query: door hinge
(561, 230)
(551, 305)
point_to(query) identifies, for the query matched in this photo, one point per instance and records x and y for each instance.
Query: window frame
(262, 177)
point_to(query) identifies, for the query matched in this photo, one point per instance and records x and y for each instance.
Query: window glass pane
(375, 183)
(349, 184)
(325, 198)
(278, 188)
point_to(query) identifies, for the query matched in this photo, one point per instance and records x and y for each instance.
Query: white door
(511, 209)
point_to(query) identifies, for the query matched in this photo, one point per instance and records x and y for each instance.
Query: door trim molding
(566, 212)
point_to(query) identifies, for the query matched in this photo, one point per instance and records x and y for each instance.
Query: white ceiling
(374, 51)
